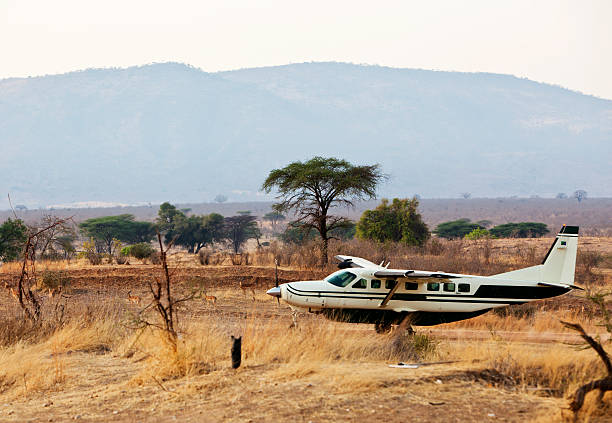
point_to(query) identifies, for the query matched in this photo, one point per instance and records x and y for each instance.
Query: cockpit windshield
(342, 279)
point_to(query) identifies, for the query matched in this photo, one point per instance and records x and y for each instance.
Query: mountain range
(171, 132)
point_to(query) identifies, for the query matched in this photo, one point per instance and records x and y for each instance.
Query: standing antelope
(210, 299)
(134, 299)
(251, 285)
(13, 293)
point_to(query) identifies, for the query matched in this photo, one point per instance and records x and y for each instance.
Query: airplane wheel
(382, 327)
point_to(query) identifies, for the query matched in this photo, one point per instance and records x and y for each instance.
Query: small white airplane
(364, 292)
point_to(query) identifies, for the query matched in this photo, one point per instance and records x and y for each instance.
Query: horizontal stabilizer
(560, 285)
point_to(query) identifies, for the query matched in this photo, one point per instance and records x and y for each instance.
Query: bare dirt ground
(102, 385)
(102, 391)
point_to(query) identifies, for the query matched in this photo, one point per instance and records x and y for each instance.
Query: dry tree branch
(604, 384)
(26, 298)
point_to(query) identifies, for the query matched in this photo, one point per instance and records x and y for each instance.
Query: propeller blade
(276, 272)
(276, 279)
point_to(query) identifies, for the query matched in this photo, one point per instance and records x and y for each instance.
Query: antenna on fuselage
(387, 266)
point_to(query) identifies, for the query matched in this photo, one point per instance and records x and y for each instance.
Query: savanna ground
(87, 360)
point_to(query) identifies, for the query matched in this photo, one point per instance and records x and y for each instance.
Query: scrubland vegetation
(154, 328)
(92, 323)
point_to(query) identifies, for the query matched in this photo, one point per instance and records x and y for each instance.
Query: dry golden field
(87, 361)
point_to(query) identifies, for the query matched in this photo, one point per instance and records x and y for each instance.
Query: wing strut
(390, 294)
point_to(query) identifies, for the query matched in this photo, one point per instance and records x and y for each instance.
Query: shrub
(89, 252)
(520, 230)
(295, 234)
(479, 234)
(398, 222)
(155, 257)
(141, 251)
(52, 279)
(456, 228)
(13, 235)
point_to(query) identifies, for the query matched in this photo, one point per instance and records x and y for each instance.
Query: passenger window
(375, 283)
(389, 283)
(361, 284)
(464, 287)
(411, 286)
(449, 287)
(433, 286)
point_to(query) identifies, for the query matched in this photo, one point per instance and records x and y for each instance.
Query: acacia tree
(274, 218)
(239, 229)
(107, 229)
(580, 195)
(312, 189)
(192, 232)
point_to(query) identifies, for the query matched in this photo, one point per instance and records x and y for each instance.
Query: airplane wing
(350, 261)
(383, 272)
(395, 273)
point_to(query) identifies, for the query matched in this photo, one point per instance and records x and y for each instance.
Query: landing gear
(406, 326)
(383, 327)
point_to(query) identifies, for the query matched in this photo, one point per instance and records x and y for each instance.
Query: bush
(520, 230)
(13, 235)
(52, 279)
(456, 228)
(155, 257)
(295, 234)
(125, 251)
(141, 251)
(397, 222)
(89, 252)
(479, 234)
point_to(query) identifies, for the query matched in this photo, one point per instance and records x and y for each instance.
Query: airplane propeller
(276, 278)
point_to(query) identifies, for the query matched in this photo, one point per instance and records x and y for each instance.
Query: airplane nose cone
(274, 292)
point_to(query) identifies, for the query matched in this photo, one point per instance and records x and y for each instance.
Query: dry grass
(40, 359)
(39, 365)
(204, 346)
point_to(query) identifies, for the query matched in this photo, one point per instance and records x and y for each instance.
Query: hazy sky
(568, 43)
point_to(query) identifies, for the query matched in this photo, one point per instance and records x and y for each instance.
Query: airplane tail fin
(559, 264)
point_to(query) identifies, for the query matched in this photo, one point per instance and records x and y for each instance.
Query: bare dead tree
(163, 302)
(28, 300)
(52, 235)
(604, 384)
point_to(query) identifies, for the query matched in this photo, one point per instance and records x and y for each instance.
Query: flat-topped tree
(311, 189)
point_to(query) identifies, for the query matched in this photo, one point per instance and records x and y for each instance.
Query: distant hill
(173, 132)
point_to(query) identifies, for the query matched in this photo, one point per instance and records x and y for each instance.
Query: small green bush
(479, 233)
(141, 250)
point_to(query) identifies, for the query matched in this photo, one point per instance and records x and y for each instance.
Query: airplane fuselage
(362, 291)
(458, 297)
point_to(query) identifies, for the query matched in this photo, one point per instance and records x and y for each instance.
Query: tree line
(312, 191)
